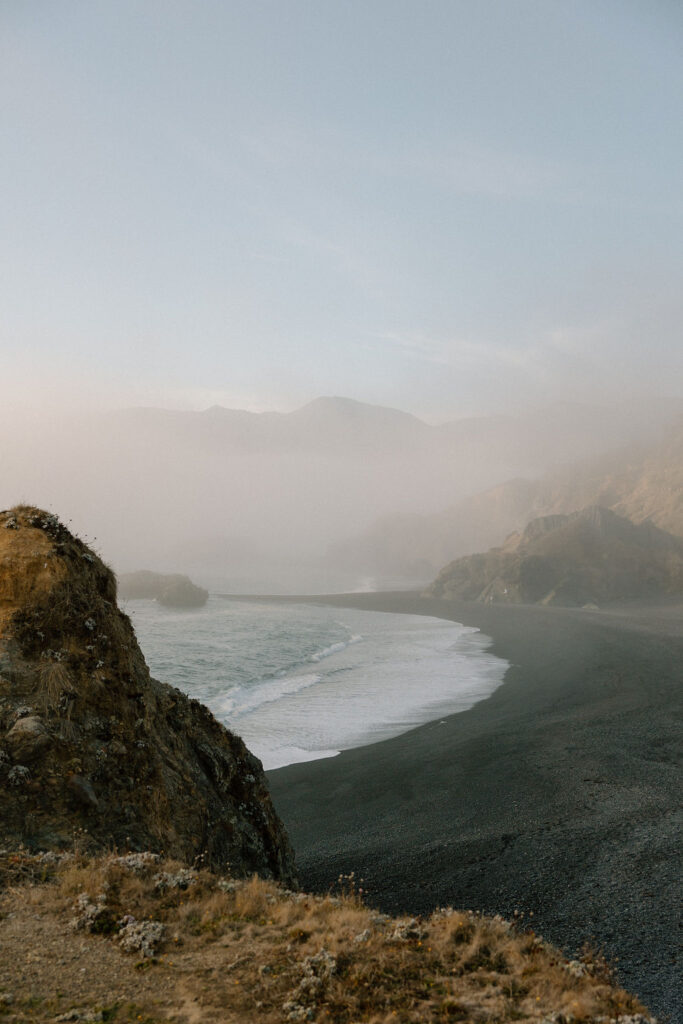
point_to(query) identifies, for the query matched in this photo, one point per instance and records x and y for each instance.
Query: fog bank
(252, 502)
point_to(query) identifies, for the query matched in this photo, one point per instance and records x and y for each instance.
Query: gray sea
(303, 681)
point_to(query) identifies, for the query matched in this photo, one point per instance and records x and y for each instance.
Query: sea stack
(172, 590)
(91, 745)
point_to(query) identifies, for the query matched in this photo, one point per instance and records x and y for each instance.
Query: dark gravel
(558, 797)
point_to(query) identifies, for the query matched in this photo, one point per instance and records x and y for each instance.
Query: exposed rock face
(589, 557)
(174, 590)
(88, 741)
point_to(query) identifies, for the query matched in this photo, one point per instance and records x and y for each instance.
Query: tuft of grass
(54, 681)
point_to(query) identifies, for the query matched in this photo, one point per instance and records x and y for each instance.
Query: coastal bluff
(91, 744)
(173, 590)
(588, 558)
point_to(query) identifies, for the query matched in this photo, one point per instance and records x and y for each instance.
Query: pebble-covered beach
(557, 798)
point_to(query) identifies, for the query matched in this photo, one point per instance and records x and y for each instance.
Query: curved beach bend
(559, 795)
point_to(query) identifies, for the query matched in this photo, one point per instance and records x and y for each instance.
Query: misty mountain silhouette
(243, 499)
(589, 557)
(341, 425)
(641, 482)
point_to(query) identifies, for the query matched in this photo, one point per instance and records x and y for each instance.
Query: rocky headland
(591, 557)
(90, 742)
(171, 589)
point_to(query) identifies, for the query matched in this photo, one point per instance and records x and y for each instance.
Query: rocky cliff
(589, 557)
(171, 589)
(89, 742)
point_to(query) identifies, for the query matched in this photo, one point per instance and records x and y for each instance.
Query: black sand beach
(558, 797)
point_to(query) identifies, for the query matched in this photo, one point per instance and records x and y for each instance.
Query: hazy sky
(447, 206)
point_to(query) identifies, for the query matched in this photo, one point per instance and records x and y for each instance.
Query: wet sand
(558, 797)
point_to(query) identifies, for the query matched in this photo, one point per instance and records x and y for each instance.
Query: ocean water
(303, 681)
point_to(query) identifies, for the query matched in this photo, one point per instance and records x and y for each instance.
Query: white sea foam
(269, 692)
(335, 648)
(280, 757)
(376, 674)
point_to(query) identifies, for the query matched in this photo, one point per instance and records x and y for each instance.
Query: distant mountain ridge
(555, 433)
(589, 557)
(255, 501)
(325, 423)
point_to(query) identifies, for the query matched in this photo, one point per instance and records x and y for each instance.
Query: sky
(440, 205)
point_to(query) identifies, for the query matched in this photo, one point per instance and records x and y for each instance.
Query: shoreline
(408, 671)
(558, 795)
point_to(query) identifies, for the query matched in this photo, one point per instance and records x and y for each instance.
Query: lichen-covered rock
(140, 936)
(27, 739)
(94, 915)
(166, 881)
(138, 863)
(408, 929)
(92, 743)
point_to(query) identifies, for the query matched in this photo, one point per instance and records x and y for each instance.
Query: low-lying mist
(273, 502)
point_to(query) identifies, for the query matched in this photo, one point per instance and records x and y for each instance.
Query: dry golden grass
(250, 951)
(54, 681)
(33, 574)
(58, 601)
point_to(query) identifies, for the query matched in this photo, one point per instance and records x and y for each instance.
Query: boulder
(27, 739)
